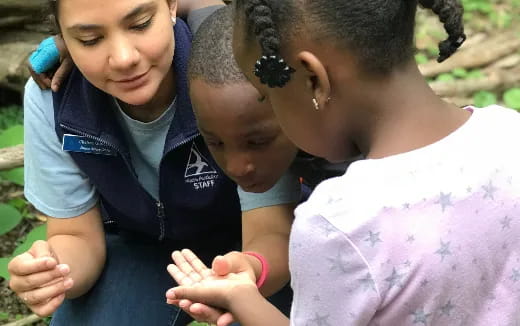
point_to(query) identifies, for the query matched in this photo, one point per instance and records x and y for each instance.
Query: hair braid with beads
(379, 33)
(450, 14)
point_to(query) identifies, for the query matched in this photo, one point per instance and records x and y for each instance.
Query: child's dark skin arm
(266, 231)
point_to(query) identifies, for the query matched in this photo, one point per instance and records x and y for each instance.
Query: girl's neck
(157, 105)
(405, 114)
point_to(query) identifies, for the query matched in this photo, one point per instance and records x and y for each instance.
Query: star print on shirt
(319, 320)
(506, 222)
(328, 229)
(420, 316)
(338, 263)
(368, 283)
(447, 308)
(373, 238)
(394, 279)
(444, 200)
(444, 250)
(490, 190)
(515, 277)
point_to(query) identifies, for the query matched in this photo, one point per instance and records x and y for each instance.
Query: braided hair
(450, 14)
(379, 33)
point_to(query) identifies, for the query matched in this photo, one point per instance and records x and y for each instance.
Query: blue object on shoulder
(45, 57)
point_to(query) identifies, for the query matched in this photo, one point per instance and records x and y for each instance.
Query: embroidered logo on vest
(198, 170)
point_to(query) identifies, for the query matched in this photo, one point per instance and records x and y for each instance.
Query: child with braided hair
(425, 230)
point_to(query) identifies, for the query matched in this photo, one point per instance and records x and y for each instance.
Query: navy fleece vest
(197, 201)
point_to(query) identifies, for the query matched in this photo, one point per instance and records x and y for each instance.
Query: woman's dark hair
(379, 32)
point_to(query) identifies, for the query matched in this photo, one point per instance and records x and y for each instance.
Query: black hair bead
(273, 71)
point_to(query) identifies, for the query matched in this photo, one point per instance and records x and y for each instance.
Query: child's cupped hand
(200, 287)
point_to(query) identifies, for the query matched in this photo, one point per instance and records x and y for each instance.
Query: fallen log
(11, 157)
(499, 78)
(9, 7)
(477, 55)
(15, 47)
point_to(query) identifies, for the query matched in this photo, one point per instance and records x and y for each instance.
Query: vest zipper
(187, 140)
(160, 205)
(160, 216)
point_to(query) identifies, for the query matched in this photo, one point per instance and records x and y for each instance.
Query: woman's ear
(173, 8)
(318, 80)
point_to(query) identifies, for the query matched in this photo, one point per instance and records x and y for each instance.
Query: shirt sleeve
(287, 190)
(196, 17)
(332, 282)
(54, 184)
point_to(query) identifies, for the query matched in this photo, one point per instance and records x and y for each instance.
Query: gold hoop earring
(316, 105)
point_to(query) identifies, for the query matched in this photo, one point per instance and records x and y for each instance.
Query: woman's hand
(38, 279)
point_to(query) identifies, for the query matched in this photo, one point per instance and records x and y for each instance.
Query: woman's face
(123, 47)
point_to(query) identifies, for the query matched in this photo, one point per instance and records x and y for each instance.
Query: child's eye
(215, 144)
(90, 42)
(142, 26)
(261, 98)
(259, 143)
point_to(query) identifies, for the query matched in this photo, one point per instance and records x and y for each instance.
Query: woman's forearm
(85, 259)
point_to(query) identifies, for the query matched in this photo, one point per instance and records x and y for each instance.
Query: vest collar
(86, 109)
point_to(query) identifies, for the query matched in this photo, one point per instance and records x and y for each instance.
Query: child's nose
(239, 167)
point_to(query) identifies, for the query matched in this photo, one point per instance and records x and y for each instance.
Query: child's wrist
(241, 298)
(260, 260)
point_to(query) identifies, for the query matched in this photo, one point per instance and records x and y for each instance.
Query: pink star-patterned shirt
(428, 237)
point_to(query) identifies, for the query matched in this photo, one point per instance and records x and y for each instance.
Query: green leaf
(475, 74)
(421, 58)
(445, 77)
(14, 175)
(4, 261)
(484, 98)
(11, 136)
(4, 316)
(18, 203)
(459, 72)
(9, 218)
(433, 51)
(512, 98)
(38, 233)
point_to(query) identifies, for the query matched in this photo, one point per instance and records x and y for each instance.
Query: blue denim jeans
(131, 289)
